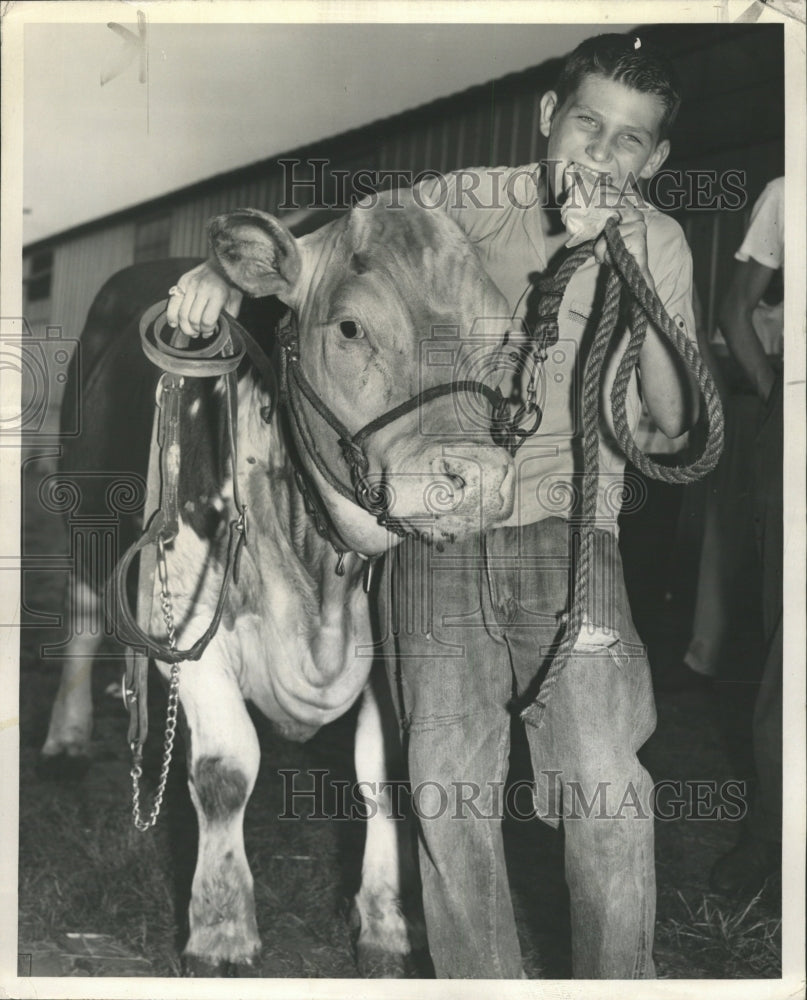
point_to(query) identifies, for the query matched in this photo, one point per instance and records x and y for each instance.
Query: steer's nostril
(446, 468)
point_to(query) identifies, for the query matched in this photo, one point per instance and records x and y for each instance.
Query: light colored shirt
(504, 218)
(765, 243)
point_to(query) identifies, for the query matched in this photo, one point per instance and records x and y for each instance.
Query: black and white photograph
(402, 427)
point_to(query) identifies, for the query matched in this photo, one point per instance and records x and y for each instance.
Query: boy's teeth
(592, 175)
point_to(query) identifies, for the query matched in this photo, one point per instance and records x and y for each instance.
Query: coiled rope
(623, 276)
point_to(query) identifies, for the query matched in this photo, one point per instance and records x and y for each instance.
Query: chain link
(171, 713)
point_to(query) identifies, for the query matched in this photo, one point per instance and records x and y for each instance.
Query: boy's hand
(196, 301)
(632, 228)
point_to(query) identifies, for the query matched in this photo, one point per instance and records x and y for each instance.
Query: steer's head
(389, 300)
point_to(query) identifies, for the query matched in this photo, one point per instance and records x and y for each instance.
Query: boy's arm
(668, 388)
(198, 299)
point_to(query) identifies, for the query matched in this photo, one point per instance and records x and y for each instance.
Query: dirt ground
(99, 898)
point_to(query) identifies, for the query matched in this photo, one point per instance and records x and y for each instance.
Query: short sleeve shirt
(501, 211)
(765, 243)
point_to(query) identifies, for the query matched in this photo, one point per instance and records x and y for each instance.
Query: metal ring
(176, 290)
(128, 695)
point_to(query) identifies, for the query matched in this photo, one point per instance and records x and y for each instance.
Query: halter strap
(295, 386)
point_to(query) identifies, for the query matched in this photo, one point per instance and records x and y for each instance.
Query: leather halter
(296, 388)
(221, 356)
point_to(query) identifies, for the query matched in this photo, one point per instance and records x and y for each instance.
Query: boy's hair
(618, 57)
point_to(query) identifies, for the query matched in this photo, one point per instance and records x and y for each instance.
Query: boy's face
(604, 127)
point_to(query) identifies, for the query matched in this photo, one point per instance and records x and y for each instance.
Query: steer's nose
(452, 469)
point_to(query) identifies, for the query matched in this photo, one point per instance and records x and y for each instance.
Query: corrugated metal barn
(732, 119)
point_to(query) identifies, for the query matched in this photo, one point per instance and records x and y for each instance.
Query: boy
(503, 595)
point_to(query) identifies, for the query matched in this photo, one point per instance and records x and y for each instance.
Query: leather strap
(135, 679)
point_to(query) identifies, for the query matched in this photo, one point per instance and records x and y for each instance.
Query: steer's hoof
(62, 766)
(375, 963)
(197, 967)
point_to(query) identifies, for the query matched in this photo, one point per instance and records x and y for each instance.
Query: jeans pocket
(594, 640)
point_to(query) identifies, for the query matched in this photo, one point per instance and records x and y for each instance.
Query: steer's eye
(351, 330)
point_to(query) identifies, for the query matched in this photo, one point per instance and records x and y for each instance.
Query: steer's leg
(223, 762)
(66, 752)
(385, 936)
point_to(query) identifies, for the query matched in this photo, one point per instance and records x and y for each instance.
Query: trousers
(465, 630)
(765, 816)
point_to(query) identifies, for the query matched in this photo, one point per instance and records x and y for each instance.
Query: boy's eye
(632, 140)
(587, 119)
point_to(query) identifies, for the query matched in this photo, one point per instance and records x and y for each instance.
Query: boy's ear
(657, 158)
(548, 104)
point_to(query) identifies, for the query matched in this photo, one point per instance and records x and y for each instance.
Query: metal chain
(171, 713)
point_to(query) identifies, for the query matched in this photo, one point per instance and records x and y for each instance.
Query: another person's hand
(197, 299)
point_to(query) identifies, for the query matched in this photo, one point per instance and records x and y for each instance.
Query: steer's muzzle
(446, 488)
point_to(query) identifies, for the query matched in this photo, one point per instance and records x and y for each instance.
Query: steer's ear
(256, 252)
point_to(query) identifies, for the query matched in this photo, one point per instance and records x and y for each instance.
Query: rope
(646, 305)
(624, 274)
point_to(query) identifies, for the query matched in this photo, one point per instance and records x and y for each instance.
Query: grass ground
(98, 898)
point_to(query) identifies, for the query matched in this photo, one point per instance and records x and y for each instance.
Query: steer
(368, 294)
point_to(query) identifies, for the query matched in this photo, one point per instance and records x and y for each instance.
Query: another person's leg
(758, 851)
(767, 817)
(726, 599)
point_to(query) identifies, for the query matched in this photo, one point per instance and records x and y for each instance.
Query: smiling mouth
(577, 170)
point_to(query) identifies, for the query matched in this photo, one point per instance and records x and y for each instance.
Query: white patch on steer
(194, 579)
(383, 928)
(71, 716)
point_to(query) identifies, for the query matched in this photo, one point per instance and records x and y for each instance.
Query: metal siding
(409, 152)
(263, 194)
(498, 132)
(478, 136)
(427, 161)
(80, 268)
(442, 165)
(187, 234)
(515, 135)
(488, 128)
(270, 192)
(461, 142)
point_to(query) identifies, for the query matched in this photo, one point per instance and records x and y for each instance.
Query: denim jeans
(470, 627)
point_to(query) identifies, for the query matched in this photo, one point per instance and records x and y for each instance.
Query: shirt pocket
(578, 312)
